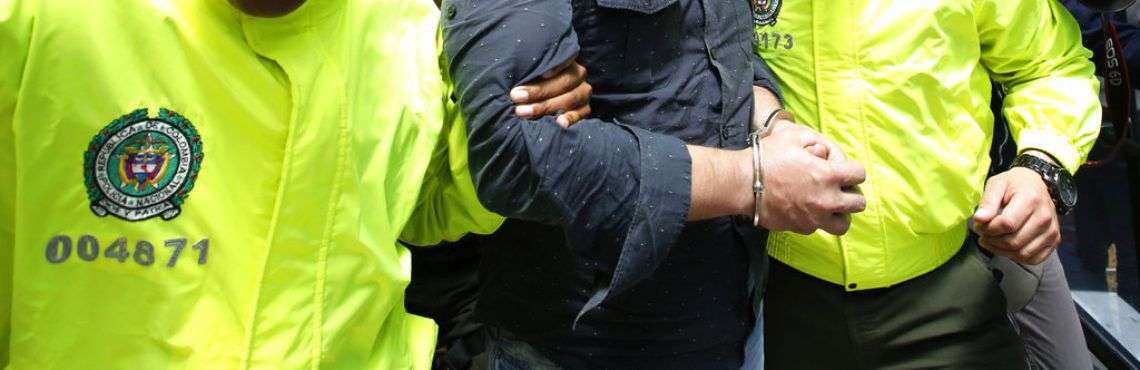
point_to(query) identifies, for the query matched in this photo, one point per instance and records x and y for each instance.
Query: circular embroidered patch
(139, 167)
(764, 12)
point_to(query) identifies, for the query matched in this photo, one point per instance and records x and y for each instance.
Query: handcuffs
(757, 169)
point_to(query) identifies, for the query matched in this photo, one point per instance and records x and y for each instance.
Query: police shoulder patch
(139, 167)
(765, 12)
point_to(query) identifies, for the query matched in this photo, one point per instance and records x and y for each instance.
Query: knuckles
(580, 71)
(820, 176)
(1002, 226)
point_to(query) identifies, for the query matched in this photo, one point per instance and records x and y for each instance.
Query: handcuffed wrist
(757, 176)
(770, 121)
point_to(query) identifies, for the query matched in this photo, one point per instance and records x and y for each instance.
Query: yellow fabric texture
(322, 132)
(904, 87)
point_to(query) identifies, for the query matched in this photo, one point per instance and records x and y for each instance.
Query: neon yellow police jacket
(186, 187)
(904, 87)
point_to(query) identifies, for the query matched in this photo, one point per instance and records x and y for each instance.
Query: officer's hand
(808, 182)
(821, 146)
(563, 91)
(1016, 217)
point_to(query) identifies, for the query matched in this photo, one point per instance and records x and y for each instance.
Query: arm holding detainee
(448, 207)
(605, 183)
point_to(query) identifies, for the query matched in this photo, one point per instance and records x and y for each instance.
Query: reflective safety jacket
(904, 87)
(186, 187)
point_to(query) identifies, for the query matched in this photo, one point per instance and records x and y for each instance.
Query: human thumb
(991, 201)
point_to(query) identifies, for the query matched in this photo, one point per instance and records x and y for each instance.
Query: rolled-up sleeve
(621, 193)
(1033, 48)
(762, 75)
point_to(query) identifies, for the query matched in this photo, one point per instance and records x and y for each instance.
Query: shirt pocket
(642, 6)
(622, 47)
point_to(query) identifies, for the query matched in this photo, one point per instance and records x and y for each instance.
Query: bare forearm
(764, 103)
(765, 100)
(721, 183)
(722, 179)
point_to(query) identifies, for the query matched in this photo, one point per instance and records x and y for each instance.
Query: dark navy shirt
(597, 231)
(1093, 37)
(1004, 149)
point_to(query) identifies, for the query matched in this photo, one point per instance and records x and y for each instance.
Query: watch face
(1066, 189)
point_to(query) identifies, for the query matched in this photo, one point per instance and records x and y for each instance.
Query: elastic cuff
(1056, 146)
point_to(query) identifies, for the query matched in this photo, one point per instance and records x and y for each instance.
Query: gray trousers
(1044, 314)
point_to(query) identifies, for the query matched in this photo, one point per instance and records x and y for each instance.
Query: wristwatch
(1057, 179)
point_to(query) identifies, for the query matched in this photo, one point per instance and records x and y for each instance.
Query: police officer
(205, 185)
(904, 88)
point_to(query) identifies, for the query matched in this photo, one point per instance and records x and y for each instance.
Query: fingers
(1043, 254)
(1025, 228)
(1000, 252)
(992, 199)
(570, 118)
(837, 224)
(1012, 217)
(561, 67)
(572, 106)
(1040, 248)
(581, 97)
(818, 150)
(835, 153)
(808, 187)
(844, 200)
(554, 83)
(805, 137)
(563, 93)
(811, 139)
(850, 201)
(798, 135)
(1032, 243)
(848, 173)
(1031, 255)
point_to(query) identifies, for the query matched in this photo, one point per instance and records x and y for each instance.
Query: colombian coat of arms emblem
(764, 12)
(139, 167)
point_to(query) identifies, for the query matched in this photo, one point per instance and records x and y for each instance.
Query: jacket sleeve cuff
(1056, 146)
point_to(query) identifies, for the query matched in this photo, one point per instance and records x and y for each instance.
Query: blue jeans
(754, 348)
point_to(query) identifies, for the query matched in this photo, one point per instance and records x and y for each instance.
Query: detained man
(621, 249)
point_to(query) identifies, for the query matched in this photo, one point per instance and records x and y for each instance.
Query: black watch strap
(1057, 180)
